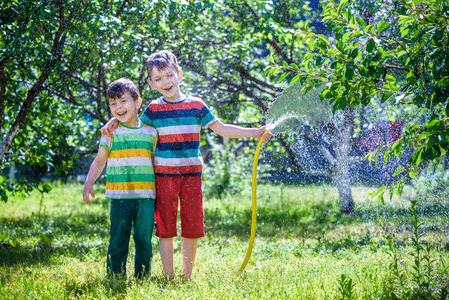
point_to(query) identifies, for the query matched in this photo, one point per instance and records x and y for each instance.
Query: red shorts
(188, 190)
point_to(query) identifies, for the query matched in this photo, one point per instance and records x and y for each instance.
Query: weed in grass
(346, 287)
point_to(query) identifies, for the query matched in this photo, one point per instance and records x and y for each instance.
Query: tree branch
(274, 42)
(291, 154)
(3, 82)
(323, 150)
(121, 8)
(56, 51)
(142, 77)
(324, 173)
(71, 99)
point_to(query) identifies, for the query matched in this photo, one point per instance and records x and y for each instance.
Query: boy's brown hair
(120, 86)
(161, 60)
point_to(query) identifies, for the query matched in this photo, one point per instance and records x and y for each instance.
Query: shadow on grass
(39, 240)
(307, 220)
(94, 285)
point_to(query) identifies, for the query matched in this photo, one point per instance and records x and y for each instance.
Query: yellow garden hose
(254, 197)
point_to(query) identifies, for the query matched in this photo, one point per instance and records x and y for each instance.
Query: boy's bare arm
(95, 170)
(233, 131)
(109, 127)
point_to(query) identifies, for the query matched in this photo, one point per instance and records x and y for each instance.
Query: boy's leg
(121, 223)
(166, 249)
(143, 232)
(192, 225)
(167, 194)
(189, 247)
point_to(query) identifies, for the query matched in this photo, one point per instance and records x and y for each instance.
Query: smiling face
(166, 82)
(125, 109)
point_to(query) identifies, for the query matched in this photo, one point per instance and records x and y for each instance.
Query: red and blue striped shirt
(178, 125)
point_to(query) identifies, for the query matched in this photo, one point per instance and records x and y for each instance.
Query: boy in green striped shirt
(130, 180)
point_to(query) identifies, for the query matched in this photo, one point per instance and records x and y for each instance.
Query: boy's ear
(138, 103)
(151, 84)
(180, 74)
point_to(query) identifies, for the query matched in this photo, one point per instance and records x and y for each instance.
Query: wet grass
(54, 247)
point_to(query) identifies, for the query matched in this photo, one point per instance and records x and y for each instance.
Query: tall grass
(54, 247)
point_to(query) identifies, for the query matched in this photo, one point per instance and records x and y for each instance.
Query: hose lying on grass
(254, 214)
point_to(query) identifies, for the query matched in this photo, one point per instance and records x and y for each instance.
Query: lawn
(54, 247)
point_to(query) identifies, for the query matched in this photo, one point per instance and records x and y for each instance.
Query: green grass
(54, 247)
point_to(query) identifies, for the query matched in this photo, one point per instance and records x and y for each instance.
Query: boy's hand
(265, 136)
(109, 127)
(86, 191)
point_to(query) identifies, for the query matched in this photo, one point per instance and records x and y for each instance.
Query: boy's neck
(133, 123)
(176, 98)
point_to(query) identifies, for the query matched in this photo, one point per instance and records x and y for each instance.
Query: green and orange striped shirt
(129, 172)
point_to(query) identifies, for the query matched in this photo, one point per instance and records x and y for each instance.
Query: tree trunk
(341, 171)
(343, 183)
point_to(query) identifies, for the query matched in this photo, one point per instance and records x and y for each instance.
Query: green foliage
(58, 57)
(228, 172)
(432, 182)
(401, 58)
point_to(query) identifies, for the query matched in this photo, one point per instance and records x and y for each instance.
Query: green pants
(127, 214)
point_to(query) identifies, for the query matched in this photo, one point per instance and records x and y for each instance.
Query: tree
(56, 60)
(401, 60)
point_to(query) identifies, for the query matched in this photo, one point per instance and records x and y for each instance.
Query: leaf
(340, 7)
(405, 31)
(432, 124)
(311, 45)
(424, 135)
(380, 197)
(411, 79)
(294, 66)
(443, 82)
(370, 46)
(370, 157)
(349, 74)
(438, 34)
(382, 26)
(400, 187)
(46, 188)
(361, 22)
(398, 171)
(378, 152)
(283, 76)
(419, 159)
(386, 155)
(322, 38)
(391, 191)
(295, 79)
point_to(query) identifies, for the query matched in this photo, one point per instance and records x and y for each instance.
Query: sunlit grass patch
(304, 248)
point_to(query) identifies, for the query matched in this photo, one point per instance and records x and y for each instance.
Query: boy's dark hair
(120, 86)
(161, 60)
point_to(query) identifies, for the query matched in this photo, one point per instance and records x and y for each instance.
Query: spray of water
(294, 107)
